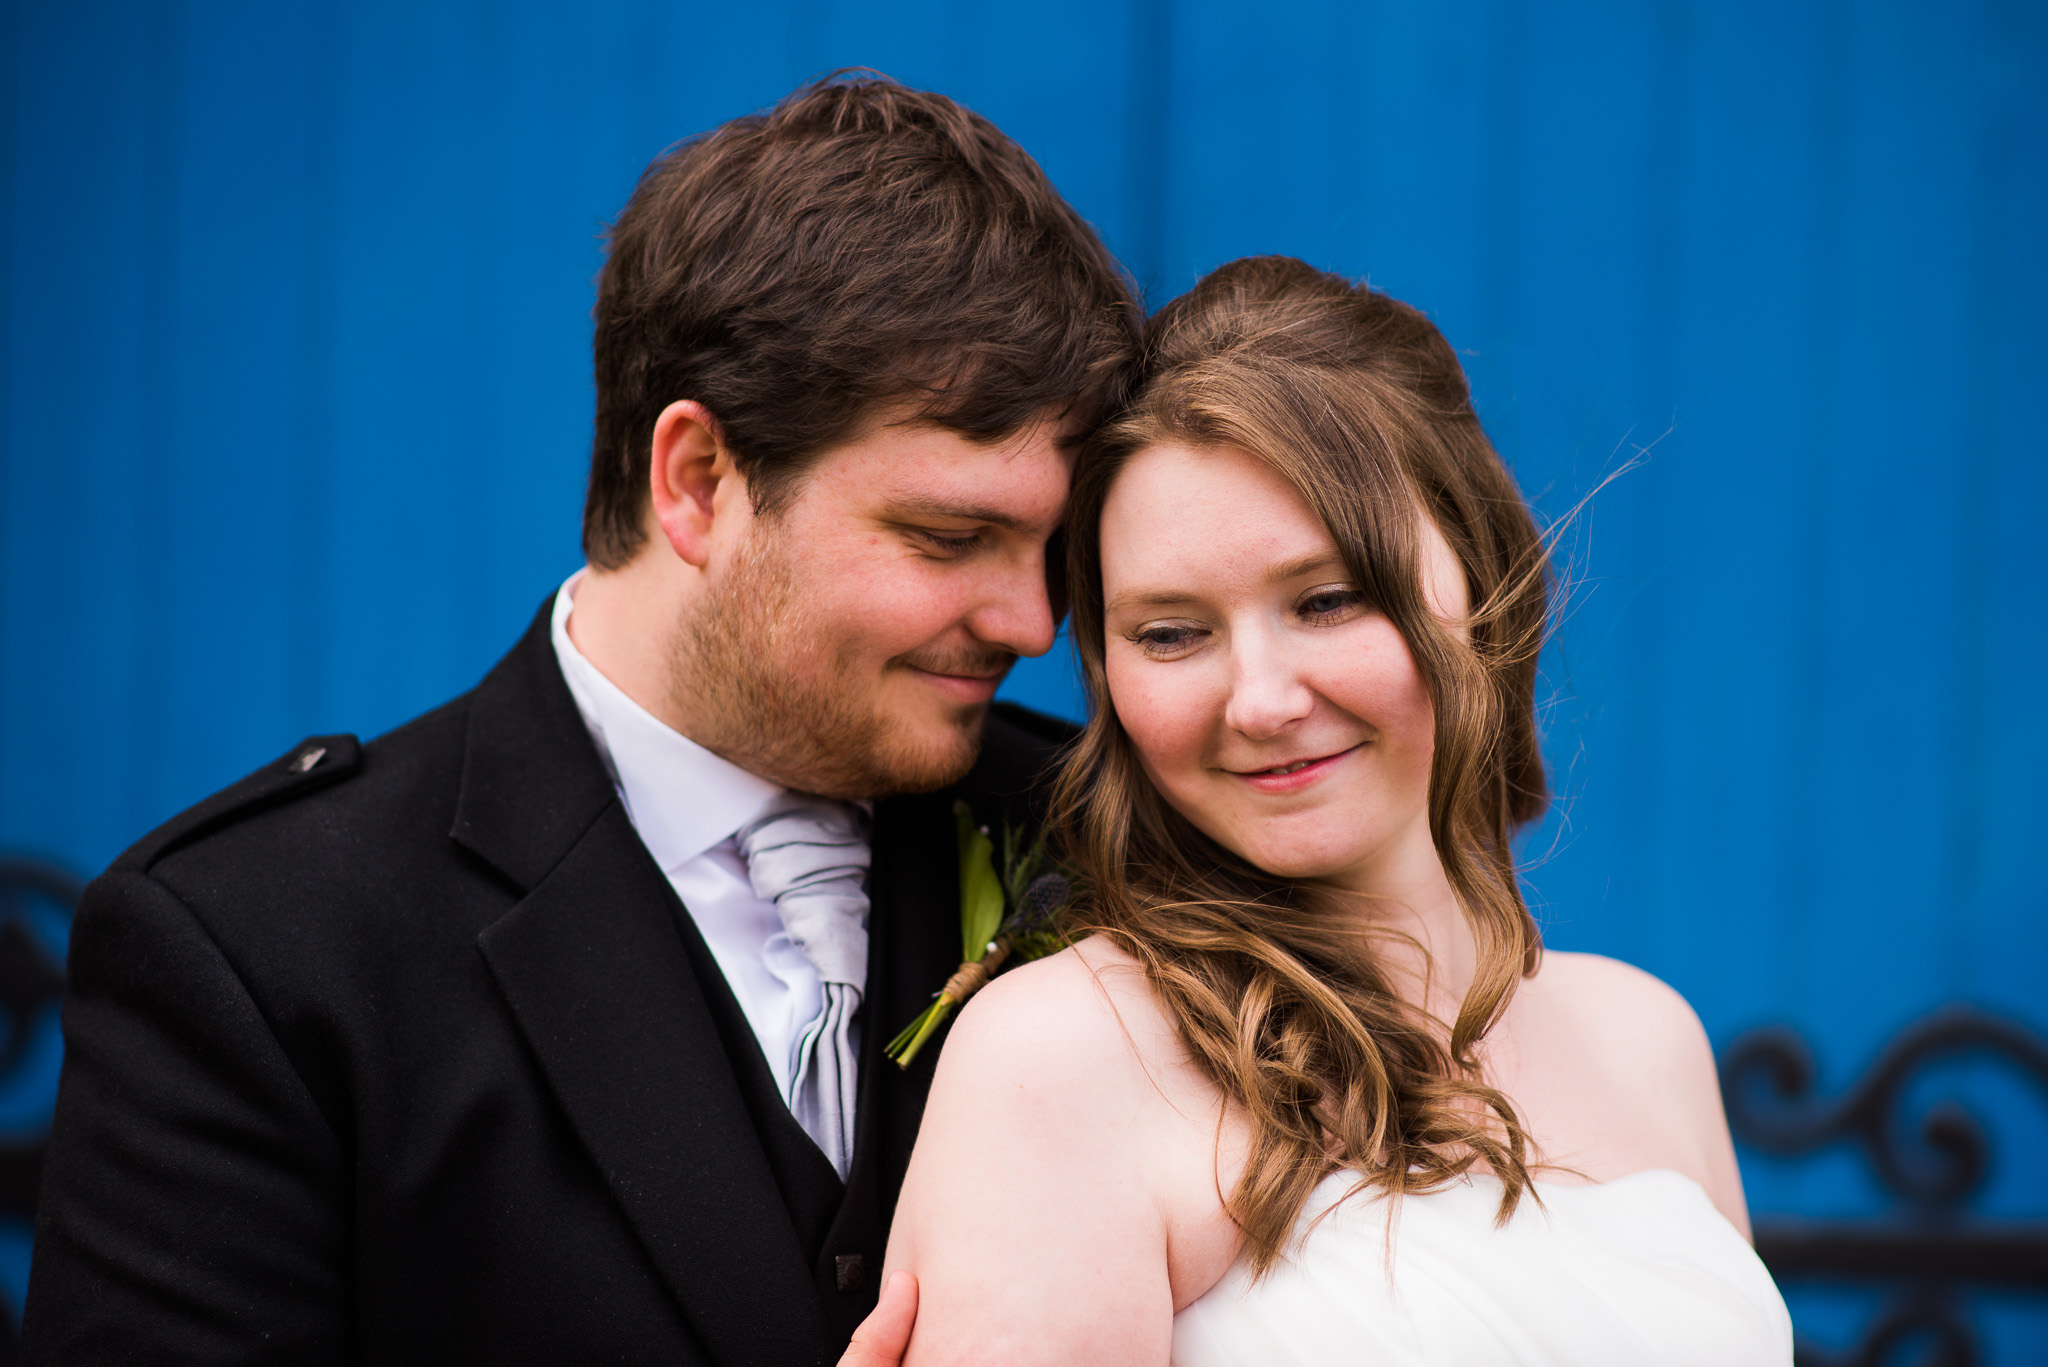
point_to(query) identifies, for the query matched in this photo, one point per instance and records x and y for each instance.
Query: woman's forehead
(1181, 517)
(1204, 509)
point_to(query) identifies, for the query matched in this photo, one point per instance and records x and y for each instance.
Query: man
(548, 1027)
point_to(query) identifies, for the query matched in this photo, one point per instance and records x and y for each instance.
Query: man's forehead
(1063, 427)
(943, 475)
(923, 451)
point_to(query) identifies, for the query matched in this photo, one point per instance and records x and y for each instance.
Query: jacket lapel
(592, 963)
(917, 947)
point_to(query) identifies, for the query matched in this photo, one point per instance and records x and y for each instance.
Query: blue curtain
(297, 405)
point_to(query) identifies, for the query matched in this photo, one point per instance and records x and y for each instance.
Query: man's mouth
(975, 668)
(970, 679)
(988, 675)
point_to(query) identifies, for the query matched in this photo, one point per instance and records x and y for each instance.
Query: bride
(1309, 1090)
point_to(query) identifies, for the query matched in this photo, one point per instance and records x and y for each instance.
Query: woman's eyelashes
(1166, 640)
(1331, 603)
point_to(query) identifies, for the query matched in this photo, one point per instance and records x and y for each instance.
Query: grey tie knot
(809, 856)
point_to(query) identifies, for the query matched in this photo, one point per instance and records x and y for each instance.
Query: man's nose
(1267, 691)
(1015, 612)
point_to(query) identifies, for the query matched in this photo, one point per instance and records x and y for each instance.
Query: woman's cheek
(1413, 714)
(1372, 676)
(1161, 709)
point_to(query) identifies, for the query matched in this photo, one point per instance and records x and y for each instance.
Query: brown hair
(1358, 402)
(859, 245)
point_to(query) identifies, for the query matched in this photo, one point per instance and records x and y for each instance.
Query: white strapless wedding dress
(1638, 1272)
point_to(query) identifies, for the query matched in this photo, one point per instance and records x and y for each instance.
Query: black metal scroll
(30, 981)
(1931, 1247)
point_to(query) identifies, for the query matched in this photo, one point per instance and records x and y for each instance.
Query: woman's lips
(1293, 776)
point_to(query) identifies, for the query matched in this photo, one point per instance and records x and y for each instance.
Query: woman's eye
(1166, 640)
(1325, 604)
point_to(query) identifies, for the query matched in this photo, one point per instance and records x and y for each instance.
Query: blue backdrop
(297, 403)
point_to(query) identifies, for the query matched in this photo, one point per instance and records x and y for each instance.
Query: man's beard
(752, 669)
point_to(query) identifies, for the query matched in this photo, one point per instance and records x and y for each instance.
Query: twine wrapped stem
(967, 980)
(970, 978)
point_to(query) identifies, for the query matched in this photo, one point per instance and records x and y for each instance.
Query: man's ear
(687, 463)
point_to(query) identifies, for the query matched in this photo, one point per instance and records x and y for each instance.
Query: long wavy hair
(1357, 401)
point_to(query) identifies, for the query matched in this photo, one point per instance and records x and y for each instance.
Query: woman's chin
(1302, 864)
(1304, 847)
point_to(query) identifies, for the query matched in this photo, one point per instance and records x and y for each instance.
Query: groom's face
(861, 629)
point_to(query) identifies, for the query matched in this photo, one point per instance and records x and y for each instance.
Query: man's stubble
(758, 671)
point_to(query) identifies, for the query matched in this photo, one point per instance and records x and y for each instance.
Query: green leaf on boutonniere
(1014, 913)
(981, 892)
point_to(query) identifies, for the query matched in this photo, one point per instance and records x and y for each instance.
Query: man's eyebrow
(922, 505)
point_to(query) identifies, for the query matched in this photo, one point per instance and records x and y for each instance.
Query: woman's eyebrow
(1315, 562)
(1148, 598)
(1312, 563)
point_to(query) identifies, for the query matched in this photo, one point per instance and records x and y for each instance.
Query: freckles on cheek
(1408, 698)
(1162, 721)
(1376, 679)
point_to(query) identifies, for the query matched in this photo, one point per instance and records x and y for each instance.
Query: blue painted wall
(296, 403)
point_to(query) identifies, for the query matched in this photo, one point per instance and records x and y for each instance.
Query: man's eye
(949, 543)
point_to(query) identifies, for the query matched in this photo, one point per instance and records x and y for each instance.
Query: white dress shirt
(686, 803)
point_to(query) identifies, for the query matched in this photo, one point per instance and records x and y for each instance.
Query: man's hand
(884, 1336)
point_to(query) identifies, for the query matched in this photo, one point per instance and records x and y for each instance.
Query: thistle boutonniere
(1002, 916)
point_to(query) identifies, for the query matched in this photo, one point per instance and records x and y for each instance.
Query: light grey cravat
(809, 856)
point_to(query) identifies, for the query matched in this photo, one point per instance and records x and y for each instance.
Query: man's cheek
(901, 613)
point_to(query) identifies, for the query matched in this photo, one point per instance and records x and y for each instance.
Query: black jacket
(407, 1052)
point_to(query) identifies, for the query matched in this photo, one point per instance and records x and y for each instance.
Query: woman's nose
(1267, 691)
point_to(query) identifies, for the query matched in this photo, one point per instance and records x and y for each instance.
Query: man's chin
(936, 756)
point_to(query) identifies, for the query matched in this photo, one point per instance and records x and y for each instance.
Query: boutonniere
(1002, 916)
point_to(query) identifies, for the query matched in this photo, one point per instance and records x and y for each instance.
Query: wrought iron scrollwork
(31, 982)
(1934, 1162)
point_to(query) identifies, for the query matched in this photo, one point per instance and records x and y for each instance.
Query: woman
(1310, 1091)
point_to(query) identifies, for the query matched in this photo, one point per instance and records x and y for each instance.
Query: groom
(548, 1028)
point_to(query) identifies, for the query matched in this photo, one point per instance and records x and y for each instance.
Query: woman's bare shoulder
(1594, 991)
(1074, 1054)
(1631, 1049)
(1088, 1006)
(1093, 967)
(1632, 1024)
(1043, 1174)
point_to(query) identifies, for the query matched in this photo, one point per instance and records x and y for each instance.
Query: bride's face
(1270, 703)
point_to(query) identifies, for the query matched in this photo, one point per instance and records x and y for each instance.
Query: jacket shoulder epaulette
(315, 763)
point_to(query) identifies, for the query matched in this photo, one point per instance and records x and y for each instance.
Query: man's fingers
(884, 1336)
